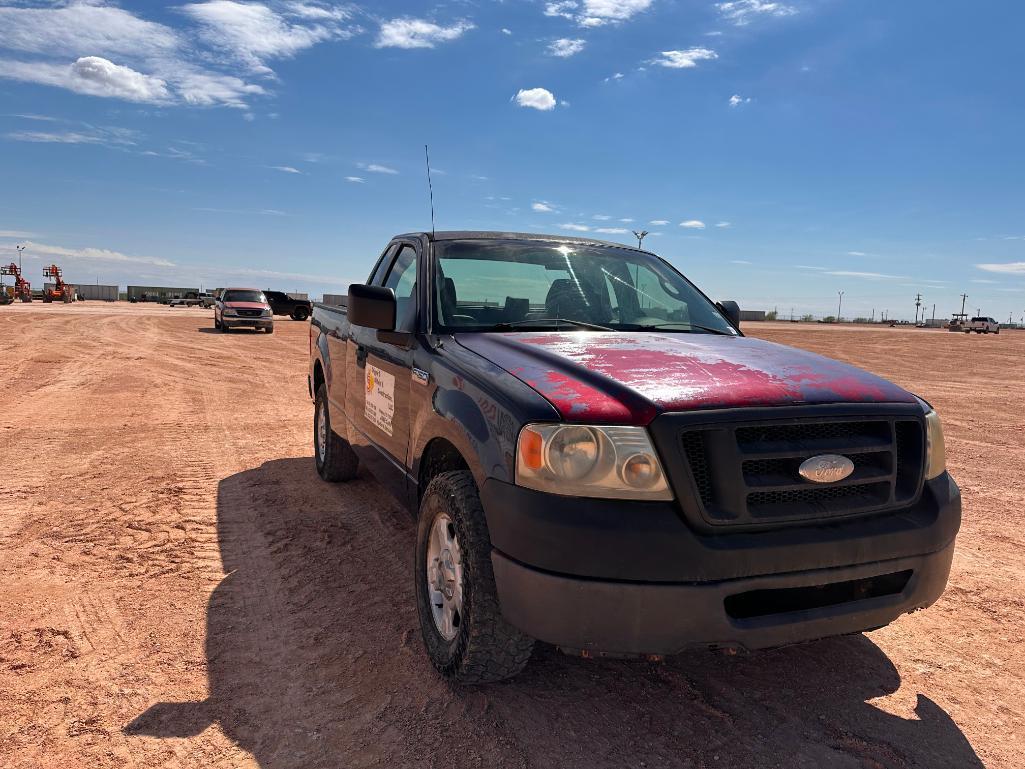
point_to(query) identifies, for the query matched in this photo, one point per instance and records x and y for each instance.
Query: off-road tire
(224, 327)
(217, 323)
(340, 462)
(486, 647)
(300, 313)
(269, 329)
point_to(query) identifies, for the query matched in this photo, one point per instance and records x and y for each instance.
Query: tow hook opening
(762, 603)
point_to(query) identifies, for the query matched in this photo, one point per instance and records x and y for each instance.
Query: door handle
(361, 356)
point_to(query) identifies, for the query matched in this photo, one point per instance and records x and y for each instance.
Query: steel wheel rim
(445, 577)
(321, 432)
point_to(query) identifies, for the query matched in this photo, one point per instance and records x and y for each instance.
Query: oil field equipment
(60, 290)
(22, 288)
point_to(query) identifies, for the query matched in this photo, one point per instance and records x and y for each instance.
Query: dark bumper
(630, 618)
(248, 322)
(634, 578)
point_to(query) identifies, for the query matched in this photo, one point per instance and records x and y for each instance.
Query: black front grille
(747, 473)
(250, 313)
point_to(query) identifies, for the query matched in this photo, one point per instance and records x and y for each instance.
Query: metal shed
(337, 300)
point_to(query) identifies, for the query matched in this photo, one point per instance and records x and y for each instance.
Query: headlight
(935, 451)
(587, 461)
(229, 311)
(266, 313)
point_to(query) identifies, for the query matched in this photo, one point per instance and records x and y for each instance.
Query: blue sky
(778, 152)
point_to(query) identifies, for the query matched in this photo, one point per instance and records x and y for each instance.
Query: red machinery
(61, 291)
(22, 288)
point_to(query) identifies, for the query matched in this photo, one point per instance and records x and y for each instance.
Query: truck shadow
(314, 660)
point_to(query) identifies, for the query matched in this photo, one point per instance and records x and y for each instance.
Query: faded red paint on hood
(630, 377)
(247, 305)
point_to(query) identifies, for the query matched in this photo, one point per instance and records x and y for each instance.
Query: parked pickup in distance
(982, 325)
(243, 307)
(598, 458)
(282, 304)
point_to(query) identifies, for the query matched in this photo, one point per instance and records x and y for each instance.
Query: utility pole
(839, 305)
(964, 298)
(873, 314)
(918, 303)
(639, 234)
(20, 250)
(934, 311)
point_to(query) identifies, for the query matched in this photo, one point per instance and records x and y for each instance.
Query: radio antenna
(430, 188)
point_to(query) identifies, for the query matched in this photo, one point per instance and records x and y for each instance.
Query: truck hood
(631, 377)
(246, 305)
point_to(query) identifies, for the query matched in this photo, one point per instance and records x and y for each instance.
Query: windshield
(244, 296)
(496, 285)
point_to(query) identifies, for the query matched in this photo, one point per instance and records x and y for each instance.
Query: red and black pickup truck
(598, 458)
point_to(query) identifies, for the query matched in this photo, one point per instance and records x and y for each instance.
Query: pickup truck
(282, 304)
(598, 458)
(982, 325)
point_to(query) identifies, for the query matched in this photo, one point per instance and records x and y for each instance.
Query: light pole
(839, 305)
(639, 234)
(20, 250)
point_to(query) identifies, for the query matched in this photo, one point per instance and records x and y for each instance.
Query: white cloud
(684, 59)
(83, 133)
(418, 33)
(535, 98)
(1008, 268)
(565, 47)
(659, 222)
(15, 234)
(506, 31)
(286, 169)
(92, 76)
(541, 207)
(869, 275)
(575, 227)
(95, 254)
(983, 280)
(376, 168)
(355, 179)
(98, 49)
(612, 230)
(626, 219)
(596, 13)
(601, 217)
(614, 76)
(253, 33)
(723, 225)
(740, 261)
(736, 100)
(693, 224)
(740, 12)
(561, 9)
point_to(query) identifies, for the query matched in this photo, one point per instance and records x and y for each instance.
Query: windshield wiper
(687, 327)
(548, 322)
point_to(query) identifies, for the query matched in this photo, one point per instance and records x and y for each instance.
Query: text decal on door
(380, 398)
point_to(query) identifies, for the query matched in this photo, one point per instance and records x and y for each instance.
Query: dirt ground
(180, 590)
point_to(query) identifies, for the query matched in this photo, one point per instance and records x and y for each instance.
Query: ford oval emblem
(826, 468)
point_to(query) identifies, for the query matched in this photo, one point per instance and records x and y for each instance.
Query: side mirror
(372, 307)
(731, 310)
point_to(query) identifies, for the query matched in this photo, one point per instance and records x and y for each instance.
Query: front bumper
(634, 578)
(247, 322)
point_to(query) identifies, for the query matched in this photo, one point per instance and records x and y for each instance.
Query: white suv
(983, 326)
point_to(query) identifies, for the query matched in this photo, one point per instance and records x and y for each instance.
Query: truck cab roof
(443, 235)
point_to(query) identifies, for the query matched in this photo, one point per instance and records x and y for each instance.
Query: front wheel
(301, 313)
(269, 329)
(336, 461)
(464, 633)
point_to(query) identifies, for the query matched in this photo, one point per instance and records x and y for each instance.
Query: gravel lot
(180, 589)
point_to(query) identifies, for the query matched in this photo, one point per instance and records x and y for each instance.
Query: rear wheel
(300, 313)
(466, 637)
(336, 461)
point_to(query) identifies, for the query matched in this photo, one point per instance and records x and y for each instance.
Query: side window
(402, 280)
(377, 276)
